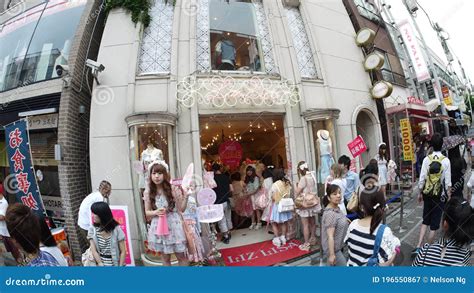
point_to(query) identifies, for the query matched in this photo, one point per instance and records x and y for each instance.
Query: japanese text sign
(407, 144)
(19, 157)
(357, 146)
(230, 153)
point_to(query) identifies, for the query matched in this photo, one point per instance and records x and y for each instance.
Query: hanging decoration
(227, 91)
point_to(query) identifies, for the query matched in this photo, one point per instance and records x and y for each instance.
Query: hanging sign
(407, 144)
(230, 153)
(446, 97)
(381, 89)
(374, 61)
(414, 50)
(365, 36)
(19, 157)
(210, 213)
(357, 146)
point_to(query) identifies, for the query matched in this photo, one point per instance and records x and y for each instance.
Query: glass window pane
(15, 36)
(234, 39)
(52, 40)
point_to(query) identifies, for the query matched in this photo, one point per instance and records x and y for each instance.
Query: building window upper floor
(35, 41)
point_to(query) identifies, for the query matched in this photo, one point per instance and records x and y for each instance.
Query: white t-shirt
(85, 216)
(56, 253)
(3, 212)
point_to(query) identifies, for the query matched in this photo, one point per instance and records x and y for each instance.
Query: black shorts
(432, 212)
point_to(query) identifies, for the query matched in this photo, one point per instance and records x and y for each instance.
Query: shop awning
(431, 105)
(416, 109)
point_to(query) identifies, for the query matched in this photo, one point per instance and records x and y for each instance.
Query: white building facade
(294, 71)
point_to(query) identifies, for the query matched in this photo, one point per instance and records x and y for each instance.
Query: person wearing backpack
(435, 189)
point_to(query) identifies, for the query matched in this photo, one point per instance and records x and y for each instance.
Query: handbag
(286, 204)
(374, 259)
(353, 204)
(87, 258)
(261, 199)
(307, 200)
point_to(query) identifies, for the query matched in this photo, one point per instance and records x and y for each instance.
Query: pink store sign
(120, 214)
(357, 146)
(230, 153)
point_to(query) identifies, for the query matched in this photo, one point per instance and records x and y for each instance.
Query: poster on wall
(446, 97)
(21, 167)
(120, 214)
(407, 144)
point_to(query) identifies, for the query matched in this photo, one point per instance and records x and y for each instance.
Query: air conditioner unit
(291, 3)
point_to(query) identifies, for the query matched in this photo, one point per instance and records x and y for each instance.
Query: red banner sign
(357, 146)
(415, 100)
(230, 153)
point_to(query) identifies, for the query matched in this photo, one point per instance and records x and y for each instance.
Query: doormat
(261, 254)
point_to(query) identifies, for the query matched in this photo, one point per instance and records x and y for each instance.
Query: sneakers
(283, 240)
(258, 226)
(305, 246)
(253, 226)
(276, 241)
(226, 239)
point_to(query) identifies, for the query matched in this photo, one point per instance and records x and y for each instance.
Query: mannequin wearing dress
(149, 155)
(325, 152)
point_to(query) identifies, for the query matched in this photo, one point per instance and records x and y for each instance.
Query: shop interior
(262, 139)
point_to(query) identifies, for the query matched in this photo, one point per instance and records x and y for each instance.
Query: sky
(455, 17)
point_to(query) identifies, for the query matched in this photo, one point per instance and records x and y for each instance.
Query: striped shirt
(361, 244)
(443, 253)
(105, 248)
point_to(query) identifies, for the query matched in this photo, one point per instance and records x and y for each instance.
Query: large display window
(235, 44)
(32, 43)
(148, 142)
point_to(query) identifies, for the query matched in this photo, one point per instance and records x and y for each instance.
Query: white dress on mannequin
(149, 155)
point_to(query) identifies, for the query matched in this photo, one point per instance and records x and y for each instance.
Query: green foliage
(140, 9)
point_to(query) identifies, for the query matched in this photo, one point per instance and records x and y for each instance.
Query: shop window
(29, 55)
(155, 52)
(148, 142)
(387, 72)
(235, 44)
(324, 138)
(301, 43)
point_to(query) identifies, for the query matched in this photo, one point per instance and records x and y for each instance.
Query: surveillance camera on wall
(62, 70)
(95, 66)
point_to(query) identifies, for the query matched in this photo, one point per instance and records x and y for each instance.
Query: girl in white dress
(382, 160)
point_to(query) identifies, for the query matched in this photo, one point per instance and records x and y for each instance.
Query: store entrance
(260, 140)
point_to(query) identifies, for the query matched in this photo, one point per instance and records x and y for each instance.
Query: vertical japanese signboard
(407, 144)
(21, 166)
(414, 50)
(120, 214)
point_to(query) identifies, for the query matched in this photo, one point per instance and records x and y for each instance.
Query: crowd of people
(352, 229)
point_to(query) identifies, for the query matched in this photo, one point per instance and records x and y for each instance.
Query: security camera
(95, 66)
(62, 70)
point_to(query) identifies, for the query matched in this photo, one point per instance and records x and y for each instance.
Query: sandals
(305, 246)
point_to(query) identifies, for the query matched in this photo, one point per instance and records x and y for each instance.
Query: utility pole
(432, 69)
(414, 86)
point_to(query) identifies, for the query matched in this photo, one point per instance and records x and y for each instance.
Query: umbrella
(452, 141)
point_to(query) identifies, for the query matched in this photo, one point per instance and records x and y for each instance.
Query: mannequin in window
(150, 154)
(225, 54)
(325, 154)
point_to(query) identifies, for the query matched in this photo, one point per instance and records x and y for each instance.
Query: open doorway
(259, 141)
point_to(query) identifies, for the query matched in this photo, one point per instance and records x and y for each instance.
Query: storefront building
(35, 38)
(276, 79)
